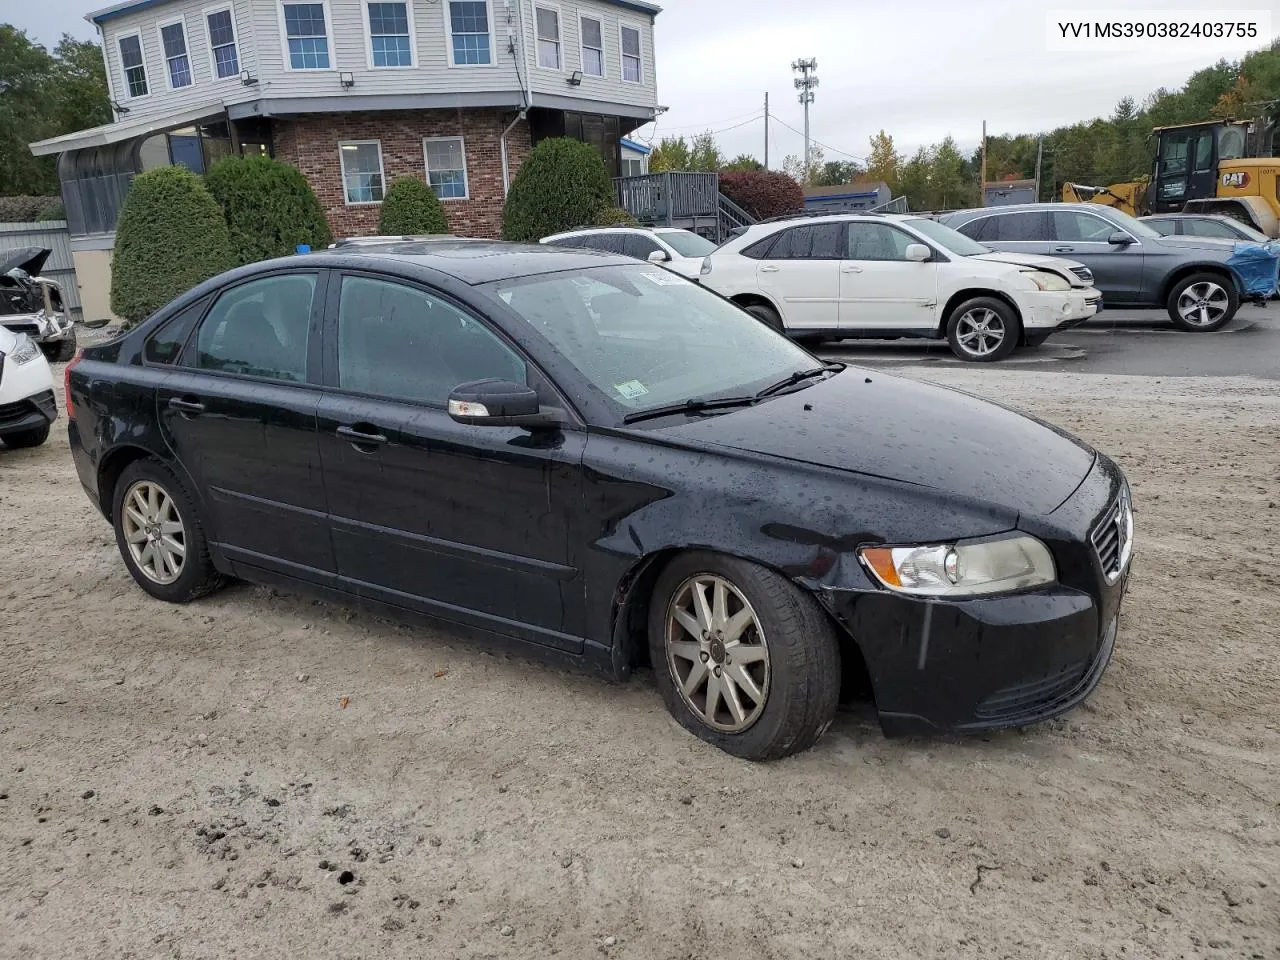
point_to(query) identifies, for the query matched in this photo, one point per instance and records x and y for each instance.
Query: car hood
(1056, 264)
(27, 259)
(865, 422)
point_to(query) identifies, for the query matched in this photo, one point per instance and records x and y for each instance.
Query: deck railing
(664, 198)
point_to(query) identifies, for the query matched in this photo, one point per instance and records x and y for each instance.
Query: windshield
(645, 337)
(687, 243)
(947, 238)
(1134, 226)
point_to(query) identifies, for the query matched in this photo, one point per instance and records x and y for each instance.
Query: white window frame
(342, 164)
(622, 57)
(328, 38)
(537, 41)
(466, 174)
(164, 56)
(368, 34)
(124, 72)
(493, 50)
(235, 37)
(582, 47)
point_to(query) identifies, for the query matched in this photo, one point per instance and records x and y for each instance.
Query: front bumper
(42, 327)
(28, 413)
(1047, 311)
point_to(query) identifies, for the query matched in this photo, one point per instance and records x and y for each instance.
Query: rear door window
(260, 329)
(812, 242)
(1023, 227)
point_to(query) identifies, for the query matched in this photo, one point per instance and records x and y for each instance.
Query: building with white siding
(354, 93)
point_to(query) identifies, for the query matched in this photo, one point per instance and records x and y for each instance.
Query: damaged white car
(31, 304)
(27, 404)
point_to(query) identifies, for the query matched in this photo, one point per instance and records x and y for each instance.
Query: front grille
(1084, 273)
(1111, 538)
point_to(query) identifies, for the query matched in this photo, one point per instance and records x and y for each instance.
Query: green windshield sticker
(631, 390)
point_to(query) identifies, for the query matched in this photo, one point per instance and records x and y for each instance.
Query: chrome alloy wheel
(717, 654)
(1203, 304)
(980, 332)
(154, 531)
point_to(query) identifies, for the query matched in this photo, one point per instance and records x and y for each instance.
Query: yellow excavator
(1202, 168)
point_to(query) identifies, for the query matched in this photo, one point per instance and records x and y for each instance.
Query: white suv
(672, 247)
(882, 275)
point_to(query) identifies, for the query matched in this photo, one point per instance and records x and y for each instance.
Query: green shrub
(615, 217)
(23, 209)
(269, 207)
(53, 211)
(563, 184)
(411, 208)
(171, 237)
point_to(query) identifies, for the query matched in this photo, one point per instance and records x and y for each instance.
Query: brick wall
(311, 144)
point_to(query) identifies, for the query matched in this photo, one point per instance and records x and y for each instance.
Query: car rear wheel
(744, 659)
(160, 535)
(983, 330)
(1203, 302)
(767, 315)
(21, 439)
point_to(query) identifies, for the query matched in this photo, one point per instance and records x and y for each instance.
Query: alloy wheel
(154, 531)
(980, 332)
(717, 653)
(1203, 304)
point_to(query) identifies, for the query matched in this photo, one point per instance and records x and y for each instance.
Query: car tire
(60, 351)
(21, 439)
(767, 315)
(983, 330)
(786, 693)
(195, 575)
(1215, 295)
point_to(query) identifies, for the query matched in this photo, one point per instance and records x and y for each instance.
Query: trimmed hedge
(615, 217)
(563, 184)
(171, 237)
(269, 207)
(763, 193)
(54, 211)
(411, 208)
(24, 209)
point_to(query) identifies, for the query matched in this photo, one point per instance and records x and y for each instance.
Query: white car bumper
(26, 394)
(1046, 310)
(43, 327)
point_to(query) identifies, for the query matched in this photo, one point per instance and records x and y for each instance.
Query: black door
(466, 523)
(239, 412)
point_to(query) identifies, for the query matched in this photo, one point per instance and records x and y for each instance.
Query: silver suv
(1133, 265)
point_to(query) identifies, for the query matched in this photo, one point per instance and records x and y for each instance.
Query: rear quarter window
(165, 345)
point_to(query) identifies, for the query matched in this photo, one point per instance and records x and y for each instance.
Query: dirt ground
(185, 782)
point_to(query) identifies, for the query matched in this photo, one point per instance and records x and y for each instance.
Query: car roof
(1192, 216)
(972, 212)
(472, 262)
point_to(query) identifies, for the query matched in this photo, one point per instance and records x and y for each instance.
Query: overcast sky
(921, 69)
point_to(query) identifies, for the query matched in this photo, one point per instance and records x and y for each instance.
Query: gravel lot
(194, 781)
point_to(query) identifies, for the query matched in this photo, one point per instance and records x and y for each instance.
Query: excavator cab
(1187, 159)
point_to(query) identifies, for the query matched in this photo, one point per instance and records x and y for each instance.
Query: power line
(753, 119)
(824, 146)
(712, 123)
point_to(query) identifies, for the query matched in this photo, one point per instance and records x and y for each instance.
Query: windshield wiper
(798, 377)
(692, 406)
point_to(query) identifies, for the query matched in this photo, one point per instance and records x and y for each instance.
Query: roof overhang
(101, 16)
(126, 129)
(347, 103)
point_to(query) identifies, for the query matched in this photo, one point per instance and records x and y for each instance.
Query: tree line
(1101, 151)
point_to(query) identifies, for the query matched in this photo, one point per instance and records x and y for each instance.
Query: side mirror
(918, 252)
(1120, 239)
(659, 256)
(498, 403)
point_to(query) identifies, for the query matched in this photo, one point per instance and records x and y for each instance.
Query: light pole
(806, 83)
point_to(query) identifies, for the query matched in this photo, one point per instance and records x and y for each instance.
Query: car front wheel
(26, 438)
(1203, 302)
(983, 329)
(744, 659)
(767, 315)
(160, 535)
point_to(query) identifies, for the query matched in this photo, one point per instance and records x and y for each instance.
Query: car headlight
(958, 570)
(1048, 281)
(27, 351)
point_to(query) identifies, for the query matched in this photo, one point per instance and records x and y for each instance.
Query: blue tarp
(1257, 267)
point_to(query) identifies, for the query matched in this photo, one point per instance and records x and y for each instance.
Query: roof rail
(819, 214)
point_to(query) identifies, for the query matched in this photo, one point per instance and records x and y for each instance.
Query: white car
(844, 276)
(681, 251)
(27, 406)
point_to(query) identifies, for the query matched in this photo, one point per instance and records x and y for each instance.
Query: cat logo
(1238, 178)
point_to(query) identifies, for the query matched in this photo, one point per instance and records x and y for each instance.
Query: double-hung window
(592, 47)
(632, 68)
(131, 63)
(390, 35)
(173, 38)
(223, 52)
(446, 161)
(548, 22)
(470, 38)
(362, 179)
(306, 36)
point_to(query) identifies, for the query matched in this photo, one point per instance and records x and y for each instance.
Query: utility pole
(983, 202)
(806, 83)
(1039, 162)
(766, 131)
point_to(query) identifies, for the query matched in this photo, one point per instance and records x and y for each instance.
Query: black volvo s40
(596, 459)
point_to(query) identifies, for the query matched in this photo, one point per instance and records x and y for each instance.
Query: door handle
(850, 269)
(769, 269)
(362, 438)
(188, 408)
(1064, 249)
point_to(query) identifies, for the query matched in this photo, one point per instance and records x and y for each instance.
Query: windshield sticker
(631, 390)
(664, 279)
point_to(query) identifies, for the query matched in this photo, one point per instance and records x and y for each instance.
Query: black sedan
(597, 459)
